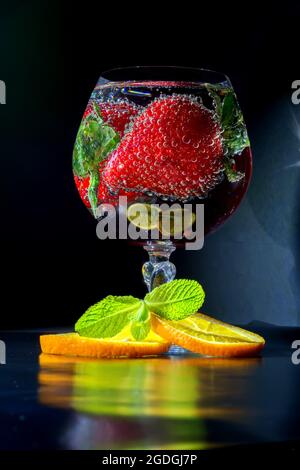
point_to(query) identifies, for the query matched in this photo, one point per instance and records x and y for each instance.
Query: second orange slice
(202, 334)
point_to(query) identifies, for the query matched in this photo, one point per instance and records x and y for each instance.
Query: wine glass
(167, 140)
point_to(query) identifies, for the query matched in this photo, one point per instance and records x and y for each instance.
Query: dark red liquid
(130, 174)
(222, 202)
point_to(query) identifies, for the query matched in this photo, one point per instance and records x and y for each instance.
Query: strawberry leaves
(235, 137)
(94, 141)
(234, 133)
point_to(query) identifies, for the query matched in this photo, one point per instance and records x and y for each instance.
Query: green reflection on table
(158, 401)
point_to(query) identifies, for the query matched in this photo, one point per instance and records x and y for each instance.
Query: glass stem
(158, 269)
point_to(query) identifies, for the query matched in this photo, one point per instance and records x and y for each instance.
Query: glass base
(178, 351)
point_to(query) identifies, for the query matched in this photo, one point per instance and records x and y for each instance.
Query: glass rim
(184, 74)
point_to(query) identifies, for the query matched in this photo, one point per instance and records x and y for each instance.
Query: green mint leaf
(214, 92)
(141, 328)
(96, 111)
(175, 300)
(141, 323)
(93, 191)
(234, 132)
(232, 174)
(142, 313)
(108, 317)
(94, 141)
(229, 110)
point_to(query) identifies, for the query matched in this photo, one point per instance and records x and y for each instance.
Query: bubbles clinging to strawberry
(168, 141)
(116, 114)
(173, 149)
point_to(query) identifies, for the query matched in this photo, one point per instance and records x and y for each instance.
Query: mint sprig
(172, 301)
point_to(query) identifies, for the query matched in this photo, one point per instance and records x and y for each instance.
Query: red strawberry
(104, 196)
(116, 115)
(87, 111)
(173, 149)
(82, 185)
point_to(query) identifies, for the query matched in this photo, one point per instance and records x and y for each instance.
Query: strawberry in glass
(163, 135)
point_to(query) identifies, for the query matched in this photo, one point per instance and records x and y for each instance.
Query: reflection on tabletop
(161, 402)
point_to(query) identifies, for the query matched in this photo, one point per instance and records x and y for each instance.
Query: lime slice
(175, 222)
(144, 216)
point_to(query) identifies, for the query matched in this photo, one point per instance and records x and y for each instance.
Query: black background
(52, 54)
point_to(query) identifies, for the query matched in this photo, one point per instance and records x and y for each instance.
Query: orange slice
(205, 335)
(71, 344)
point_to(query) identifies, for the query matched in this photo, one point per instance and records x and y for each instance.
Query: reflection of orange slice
(71, 344)
(205, 335)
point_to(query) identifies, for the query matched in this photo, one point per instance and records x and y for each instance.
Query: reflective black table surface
(177, 401)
